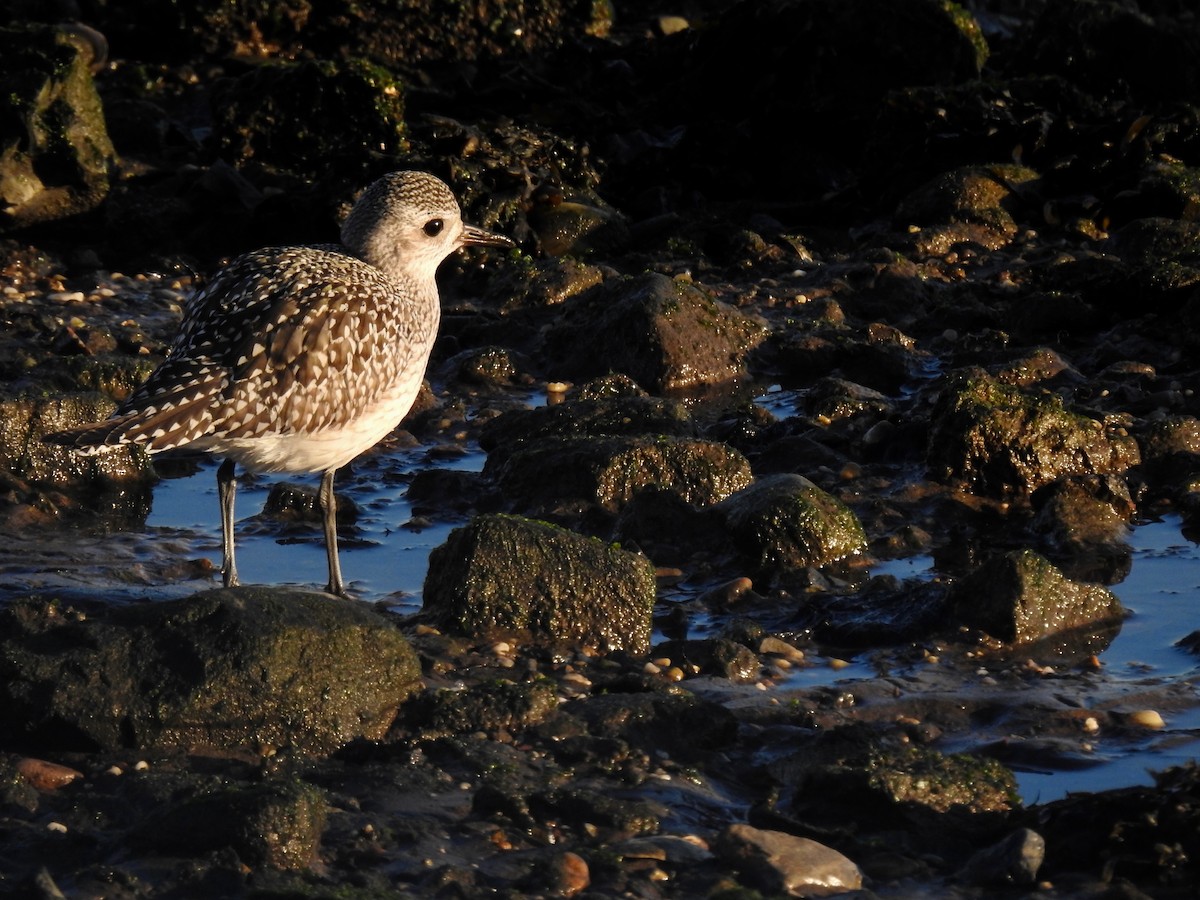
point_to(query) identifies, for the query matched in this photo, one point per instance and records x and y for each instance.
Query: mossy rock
(999, 439)
(252, 669)
(518, 575)
(666, 335)
(55, 153)
(786, 522)
(1022, 598)
(610, 471)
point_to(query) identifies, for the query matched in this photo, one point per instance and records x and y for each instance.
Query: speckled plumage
(297, 359)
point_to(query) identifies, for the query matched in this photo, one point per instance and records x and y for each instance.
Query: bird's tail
(96, 437)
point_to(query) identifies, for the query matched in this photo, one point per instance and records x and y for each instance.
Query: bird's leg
(329, 507)
(226, 488)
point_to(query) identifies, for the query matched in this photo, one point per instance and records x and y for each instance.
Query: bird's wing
(285, 340)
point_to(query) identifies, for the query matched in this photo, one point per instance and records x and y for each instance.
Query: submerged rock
(665, 334)
(509, 573)
(1000, 439)
(257, 669)
(1021, 598)
(786, 522)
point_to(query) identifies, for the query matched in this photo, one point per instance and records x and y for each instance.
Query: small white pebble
(141, 766)
(651, 669)
(501, 647)
(1090, 725)
(115, 770)
(57, 826)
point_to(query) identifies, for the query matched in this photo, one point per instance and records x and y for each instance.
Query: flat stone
(781, 862)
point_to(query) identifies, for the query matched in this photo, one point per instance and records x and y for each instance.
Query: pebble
(1147, 718)
(46, 776)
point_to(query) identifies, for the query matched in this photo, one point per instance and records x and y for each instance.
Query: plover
(298, 359)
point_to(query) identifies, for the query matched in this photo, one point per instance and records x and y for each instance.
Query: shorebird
(298, 359)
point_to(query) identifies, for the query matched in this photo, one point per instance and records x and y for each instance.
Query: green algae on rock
(666, 335)
(55, 153)
(249, 668)
(787, 522)
(514, 574)
(24, 421)
(1021, 598)
(610, 471)
(1000, 440)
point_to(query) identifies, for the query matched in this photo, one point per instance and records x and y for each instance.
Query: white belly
(319, 451)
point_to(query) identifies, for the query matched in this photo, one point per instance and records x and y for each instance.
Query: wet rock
(723, 658)
(1170, 449)
(1021, 598)
(255, 669)
(883, 613)
(782, 863)
(618, 817)
(511, 573)
(609, 471)
(876, 357)
(787, 522)
(291, 502)
(1158, 258)
(670, 530)
(595, 417)
(541, 283)
(680, 725)
(25, 421)
(1000, 439)
(1015, 860)
(854, 773)
(666, 335)
(275, 823)
(1146, 835)
(487, 366)
(974, 205)
(1086, 522)
(579, 228)
(835, 400)
(55, 153)
(487, 707)
(297, 115)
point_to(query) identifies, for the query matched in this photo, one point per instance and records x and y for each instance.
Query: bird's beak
(473, 235)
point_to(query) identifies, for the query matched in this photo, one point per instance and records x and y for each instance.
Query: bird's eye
(434, 227)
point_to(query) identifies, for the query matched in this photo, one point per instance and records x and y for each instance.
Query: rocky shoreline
(958, 245)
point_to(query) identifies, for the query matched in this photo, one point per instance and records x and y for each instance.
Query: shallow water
(385, 559)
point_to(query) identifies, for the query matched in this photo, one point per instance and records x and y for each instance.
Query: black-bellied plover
(298, 359)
